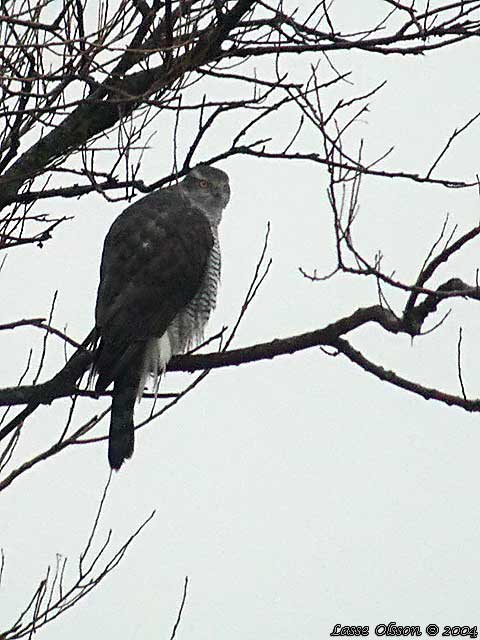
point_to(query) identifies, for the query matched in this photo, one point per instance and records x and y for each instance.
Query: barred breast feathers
(187, 328)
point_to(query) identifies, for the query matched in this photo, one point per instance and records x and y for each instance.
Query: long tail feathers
(138, 361)
(121, 436)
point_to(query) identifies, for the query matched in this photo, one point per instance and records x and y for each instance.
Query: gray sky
(299, 492)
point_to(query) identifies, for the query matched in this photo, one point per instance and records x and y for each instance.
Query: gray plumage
(158, 285)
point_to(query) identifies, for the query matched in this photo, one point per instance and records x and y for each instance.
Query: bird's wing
(153, 262)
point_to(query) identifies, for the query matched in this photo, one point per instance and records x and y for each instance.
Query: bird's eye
(204, 184)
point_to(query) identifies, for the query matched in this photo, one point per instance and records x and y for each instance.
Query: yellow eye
(204, 184)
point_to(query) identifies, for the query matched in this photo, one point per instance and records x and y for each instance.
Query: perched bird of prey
(158, 285)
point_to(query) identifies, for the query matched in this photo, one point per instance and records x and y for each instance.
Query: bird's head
(208, 188)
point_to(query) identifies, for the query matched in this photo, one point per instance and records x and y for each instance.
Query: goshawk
(158, 285)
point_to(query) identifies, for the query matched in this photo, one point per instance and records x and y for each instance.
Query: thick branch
(112, 101)
(63, 384)
(416, 316)
(391, 377)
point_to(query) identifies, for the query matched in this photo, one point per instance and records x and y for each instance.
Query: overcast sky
(294, 493)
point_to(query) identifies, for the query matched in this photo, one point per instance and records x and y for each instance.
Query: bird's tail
(122, 433)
